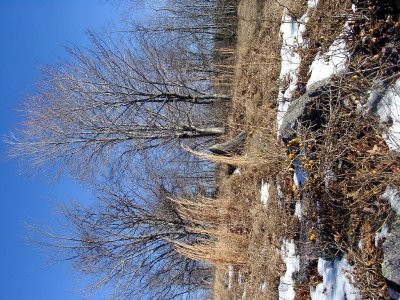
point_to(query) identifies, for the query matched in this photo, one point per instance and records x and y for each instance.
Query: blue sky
(32, 33)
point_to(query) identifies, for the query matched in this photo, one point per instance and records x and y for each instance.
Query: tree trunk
(192, 132)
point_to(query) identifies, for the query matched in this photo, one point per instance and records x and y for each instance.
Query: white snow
(230, 276)
(291, 31)
(296, 179)
(389, 110)
(381, 234)
(265, 192)
(337, 281)
(237, 171)
(360, 244)
(297, 211)
(375, 94)
(292, 261)
(393, 197)
(264, 287)
(330, 63)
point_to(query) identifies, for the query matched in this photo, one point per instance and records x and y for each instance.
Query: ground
(324, 180)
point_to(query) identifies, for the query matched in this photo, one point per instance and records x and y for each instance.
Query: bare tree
(125, 241)
(202, 32)
(126, 106)
(114, 100)
(211, 18)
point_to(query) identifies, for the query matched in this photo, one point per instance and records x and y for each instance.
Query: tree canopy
(118, 112)
(113, 102)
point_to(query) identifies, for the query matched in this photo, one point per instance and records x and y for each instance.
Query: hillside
(310, 211)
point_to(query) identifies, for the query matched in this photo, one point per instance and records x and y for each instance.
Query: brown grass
(258, 63)
(215, 253)
(254, 110)
(219, 225)
(236, 161)
(245, 234)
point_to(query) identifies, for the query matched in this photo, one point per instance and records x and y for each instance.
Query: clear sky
(31, 33)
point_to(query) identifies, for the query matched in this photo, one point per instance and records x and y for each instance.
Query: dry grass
(220, 225)
(258, 63)
(236, 161)
(245, 234)
(254, 110)
(215, 253)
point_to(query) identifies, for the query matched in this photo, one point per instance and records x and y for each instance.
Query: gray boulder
(301, 110)
(391, 250)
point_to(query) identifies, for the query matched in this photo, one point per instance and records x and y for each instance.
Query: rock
(393, 290)
(391, 250)
(301, 110)
(231, 146)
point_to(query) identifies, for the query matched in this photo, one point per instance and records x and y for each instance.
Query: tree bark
(191, 132)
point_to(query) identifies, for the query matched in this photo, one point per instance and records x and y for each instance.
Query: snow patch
(330, 63)
(292, 261)
(291, 32)
(264, 287)
(280, 194)
(389, 112)
(230, 277)
(299, 179)
(381, 234)
(241, 279)
(329, 178)
(236, 171)
(375, 95)
(360, 244)
(265, 192)
(279, 191)
(298, 211)
(392, 196)
(337, 281)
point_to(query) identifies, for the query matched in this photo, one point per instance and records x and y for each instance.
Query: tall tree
(113, 100)
(126, 242)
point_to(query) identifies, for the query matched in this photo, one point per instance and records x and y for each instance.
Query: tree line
(114, 115)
